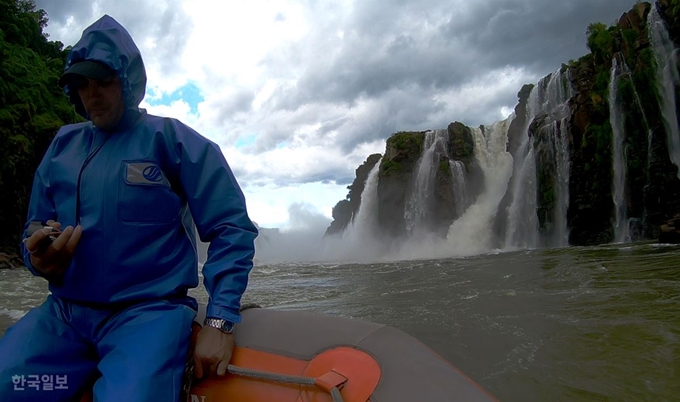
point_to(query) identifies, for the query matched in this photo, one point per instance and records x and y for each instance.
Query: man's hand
(213, 352)
(51, 261)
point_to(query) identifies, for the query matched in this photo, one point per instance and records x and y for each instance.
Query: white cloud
(270, 205)
(177, 109)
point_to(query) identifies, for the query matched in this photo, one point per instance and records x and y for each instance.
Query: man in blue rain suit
(128, 189)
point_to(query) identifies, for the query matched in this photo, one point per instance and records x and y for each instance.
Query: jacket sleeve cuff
(214, 311)
(27, 260)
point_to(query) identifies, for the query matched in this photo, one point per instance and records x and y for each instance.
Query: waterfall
(635, 222)
(517, 185)
(522, 219)
(618, 158)
(459, 186)
(560, 91)
(625, 70)
(548, 98)
(561, 147)
(362, 228)
(668, 78)
(420, 204)
(472, 232)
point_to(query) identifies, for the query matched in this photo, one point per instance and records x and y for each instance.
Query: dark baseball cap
(87, 68)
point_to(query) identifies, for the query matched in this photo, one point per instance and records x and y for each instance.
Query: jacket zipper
(82, 168)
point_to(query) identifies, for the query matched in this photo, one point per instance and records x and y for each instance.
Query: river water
(569, 324)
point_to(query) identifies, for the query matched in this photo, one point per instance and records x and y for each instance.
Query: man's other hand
(51, 259)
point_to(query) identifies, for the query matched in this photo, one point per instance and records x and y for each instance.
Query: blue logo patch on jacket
(145, 173)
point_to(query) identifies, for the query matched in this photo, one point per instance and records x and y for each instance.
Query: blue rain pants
(135, 353)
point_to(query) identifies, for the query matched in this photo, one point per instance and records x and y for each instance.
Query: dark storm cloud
(390, 49)
(539, 34)
(399, 111)
(405, 53)
(368, 67)
(164, 23)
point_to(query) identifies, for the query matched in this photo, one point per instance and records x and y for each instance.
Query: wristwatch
(223, 325)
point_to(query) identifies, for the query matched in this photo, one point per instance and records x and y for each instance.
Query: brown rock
(669, 233)
(10, 261)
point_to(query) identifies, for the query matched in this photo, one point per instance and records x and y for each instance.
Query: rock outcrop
(670, 231)
(345, 210)
(402, 156)
(395, 181)
(10, 260)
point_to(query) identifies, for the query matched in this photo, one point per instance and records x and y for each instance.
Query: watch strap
(223, 325)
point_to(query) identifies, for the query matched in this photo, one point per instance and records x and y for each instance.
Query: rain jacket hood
(108, 42)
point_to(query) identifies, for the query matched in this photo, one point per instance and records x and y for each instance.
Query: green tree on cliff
(32, 107)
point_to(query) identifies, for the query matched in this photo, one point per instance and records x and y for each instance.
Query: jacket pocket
(145, 194)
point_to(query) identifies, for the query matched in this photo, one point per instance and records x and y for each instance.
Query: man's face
(102, 99)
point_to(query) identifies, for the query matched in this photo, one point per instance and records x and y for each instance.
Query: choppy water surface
(571, 324)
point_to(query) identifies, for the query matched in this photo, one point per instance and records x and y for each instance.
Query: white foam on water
(13, 314)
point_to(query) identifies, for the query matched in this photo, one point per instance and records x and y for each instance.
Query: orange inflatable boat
(296, 356)
(299, 356)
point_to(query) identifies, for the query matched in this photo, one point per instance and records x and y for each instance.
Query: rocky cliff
(564, 140)
(398, 185)
(652, 186)
(345, 210)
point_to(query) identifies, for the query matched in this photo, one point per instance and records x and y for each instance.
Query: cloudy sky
(299, 93)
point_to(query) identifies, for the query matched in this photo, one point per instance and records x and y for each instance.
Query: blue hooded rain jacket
(139, 193)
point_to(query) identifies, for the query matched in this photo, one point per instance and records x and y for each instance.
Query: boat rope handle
(286, 379)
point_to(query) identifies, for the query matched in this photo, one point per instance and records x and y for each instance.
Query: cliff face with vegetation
(653, 189)
(652, 184)
(396, 183)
